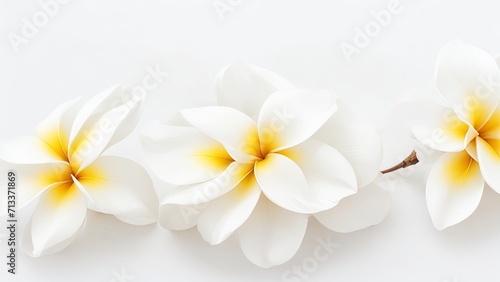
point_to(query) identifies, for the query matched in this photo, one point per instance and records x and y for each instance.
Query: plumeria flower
(63, 168)
(467, 130)
(263, 161)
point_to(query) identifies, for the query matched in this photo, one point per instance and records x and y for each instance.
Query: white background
(90, 45)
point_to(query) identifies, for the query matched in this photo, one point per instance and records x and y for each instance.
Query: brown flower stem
(409, 161)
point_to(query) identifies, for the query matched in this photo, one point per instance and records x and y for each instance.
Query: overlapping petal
(442, 130)
(230, 127)
(57, 217)
(491, 130)
(34, 179)
(488, 156)
(56, 128)
(245, 87)
(183, 155)
(467, 77)
(328, 174)
(225, 214)
(206, 191)
(356, 139)
(289, 117)
(454, 189)
(98, 104)
(367, 207)
(284, 183)
(120, 187)
(102, 130)
(271, 235)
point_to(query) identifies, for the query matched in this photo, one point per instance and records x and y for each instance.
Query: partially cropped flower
(467, 130)
(63, 168)
(263, 161)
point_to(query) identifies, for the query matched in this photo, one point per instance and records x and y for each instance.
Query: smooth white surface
(90, 45)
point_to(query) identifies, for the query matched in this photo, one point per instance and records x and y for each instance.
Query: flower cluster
(263, 161)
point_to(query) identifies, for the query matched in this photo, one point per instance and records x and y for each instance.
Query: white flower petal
(56, 128)
(232, 128)
(179, 217)
(125, 118)
(34, 179)
(366, 208)
(245, 87)
(206, 191)
(183, 155)
(284, 183)
(328, 174)
(289, 117)
(225, 214)
(356, 139)
(104, 101)
(467, 78)
(454, 189)
(100, 131)
(28, 150)
(488, 154)
(442, 130)
(27, 241)
(120, 187)
(57, 217)
(271, 235)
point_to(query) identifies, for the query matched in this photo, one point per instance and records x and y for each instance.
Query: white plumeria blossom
(467, 131)
(63, 168)
(264, 160)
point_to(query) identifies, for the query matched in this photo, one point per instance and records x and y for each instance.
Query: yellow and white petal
(471, 149)
(179, 217)
(183, 155)
(230, 127)
(58, 216)
(28, 150)
(289, 117)
(366, 208)
(329, 175)
(206, 191)
(491, 130)
(120, 187)
(442, 130)
(225, 214)
(488, 155)
(56, 128)
(102, 130)
(245, 87)
(356, 139)
(284, 183)
(33, 179)
(454, 189)
(271, 235)
(467, 77)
